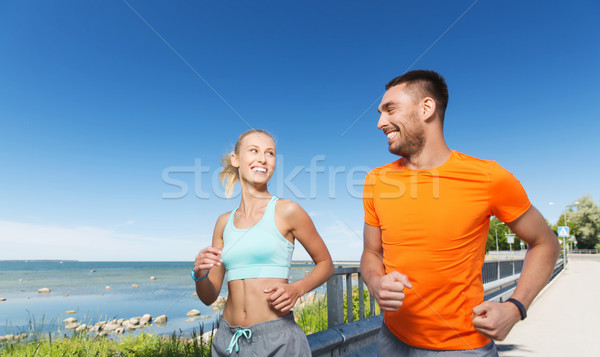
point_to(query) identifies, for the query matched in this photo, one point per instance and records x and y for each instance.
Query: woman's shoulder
(288, 207)
(222, 220)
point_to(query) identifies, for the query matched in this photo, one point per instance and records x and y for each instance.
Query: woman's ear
(234, 160)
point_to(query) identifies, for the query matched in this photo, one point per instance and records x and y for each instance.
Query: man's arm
(495, 320)
(388, 289)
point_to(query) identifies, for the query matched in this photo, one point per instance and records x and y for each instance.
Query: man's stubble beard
(412, 140)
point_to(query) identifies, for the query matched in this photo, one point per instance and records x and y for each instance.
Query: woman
(253, 244)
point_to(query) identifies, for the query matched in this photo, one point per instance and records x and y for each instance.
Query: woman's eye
(271, 153)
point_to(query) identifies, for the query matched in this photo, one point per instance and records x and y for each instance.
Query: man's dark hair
(426, 84)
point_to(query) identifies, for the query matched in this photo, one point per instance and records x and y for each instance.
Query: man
(426, 223)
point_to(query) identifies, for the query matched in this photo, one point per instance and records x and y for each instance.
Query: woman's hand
(283, 296)
(206, 259)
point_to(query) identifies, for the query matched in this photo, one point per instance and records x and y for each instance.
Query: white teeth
(259, 169)
(392, 134)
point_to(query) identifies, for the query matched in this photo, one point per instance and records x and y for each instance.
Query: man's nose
(382, 121)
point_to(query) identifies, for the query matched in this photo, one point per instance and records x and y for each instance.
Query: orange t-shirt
(434, 225)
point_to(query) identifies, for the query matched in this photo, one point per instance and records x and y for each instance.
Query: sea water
(100, 291)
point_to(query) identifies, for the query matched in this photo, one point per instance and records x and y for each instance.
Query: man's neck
(431, 157)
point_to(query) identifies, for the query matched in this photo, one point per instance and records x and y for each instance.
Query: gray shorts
(390, 345)
(280, 337)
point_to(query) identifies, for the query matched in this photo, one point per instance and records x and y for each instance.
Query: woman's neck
(253, 198)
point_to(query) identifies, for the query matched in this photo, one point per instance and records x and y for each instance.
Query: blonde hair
(229, 175)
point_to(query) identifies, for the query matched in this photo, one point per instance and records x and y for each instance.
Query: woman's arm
(208, 261)
(297, 223)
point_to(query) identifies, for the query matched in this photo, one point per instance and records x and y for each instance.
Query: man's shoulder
(391, 166)
(473, 162)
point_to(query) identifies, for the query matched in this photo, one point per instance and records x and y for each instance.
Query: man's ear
(234, 160)
(427, 108)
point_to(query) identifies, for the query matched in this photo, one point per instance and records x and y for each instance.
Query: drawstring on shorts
(234, 339)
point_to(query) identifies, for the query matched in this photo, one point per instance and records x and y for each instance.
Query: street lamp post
(564, 238)
(496, 231)
(565, 217)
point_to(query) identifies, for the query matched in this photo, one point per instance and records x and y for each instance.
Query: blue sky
(102, 104)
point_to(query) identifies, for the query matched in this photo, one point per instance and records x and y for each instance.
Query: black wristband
(519, 306)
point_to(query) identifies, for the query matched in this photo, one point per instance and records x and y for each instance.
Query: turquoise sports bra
(256, 252)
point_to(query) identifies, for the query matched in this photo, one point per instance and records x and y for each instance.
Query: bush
(84, 344)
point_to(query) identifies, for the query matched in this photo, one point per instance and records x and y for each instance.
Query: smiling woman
(253, 245)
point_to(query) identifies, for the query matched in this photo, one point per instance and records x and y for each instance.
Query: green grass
(84, 344)
(313, 317)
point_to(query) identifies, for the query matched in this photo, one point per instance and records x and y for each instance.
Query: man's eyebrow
(384, 106)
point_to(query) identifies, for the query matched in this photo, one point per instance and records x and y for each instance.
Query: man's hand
(283, 296)
(389, 290)
(495, 320)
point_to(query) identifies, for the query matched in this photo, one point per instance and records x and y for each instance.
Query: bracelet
(199, 279)
(520, 307)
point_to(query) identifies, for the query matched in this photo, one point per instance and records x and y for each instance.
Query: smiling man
(426, 223)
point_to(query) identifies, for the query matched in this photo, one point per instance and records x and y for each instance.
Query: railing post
(498, 264)
(335, 304)
(349, 304)
(361, 297)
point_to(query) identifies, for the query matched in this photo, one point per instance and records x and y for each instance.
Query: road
(564, 320)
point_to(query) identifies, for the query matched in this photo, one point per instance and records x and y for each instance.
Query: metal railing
(500, 278)
(498, 269)
(335, 292)
(346, 335)
(584, 251)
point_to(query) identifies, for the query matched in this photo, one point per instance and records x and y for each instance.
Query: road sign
(510, 238)
(563, 231)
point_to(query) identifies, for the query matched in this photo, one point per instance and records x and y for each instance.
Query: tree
(586, 220)
(501, 229)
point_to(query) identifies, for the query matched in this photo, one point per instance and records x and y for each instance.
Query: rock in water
(193, 312)
(44, 291)
(72, 326)
(152, 278)
(146, 319)
(160, 320)
(219, 304)
(70, 320)
(135, 286)
(70, 312)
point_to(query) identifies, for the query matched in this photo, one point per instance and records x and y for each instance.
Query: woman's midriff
(248, 304)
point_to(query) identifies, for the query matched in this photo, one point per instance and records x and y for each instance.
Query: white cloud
(27, 241)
